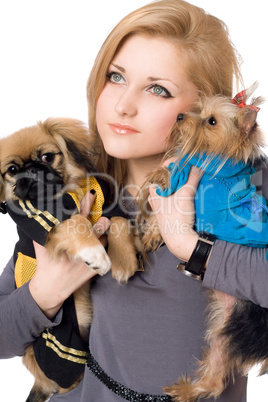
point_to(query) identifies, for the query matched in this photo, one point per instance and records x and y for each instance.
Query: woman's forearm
(21, 320)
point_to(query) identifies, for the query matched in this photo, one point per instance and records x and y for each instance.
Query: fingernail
(93, 192)
(97, 230)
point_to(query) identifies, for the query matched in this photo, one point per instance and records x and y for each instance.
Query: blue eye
(115, 77)
(158, 90)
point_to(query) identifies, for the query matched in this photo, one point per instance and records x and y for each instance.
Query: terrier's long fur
(237, 332)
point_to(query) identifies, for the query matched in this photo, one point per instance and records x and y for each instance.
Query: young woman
(148, 332)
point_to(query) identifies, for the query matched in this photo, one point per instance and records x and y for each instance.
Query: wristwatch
(196, 266)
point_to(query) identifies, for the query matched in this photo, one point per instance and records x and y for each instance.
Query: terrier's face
(217, 126)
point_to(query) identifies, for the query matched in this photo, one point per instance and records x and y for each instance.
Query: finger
(42, 254)
(101, 226)
(154, 198)
(87, 203)
(152, 190)
(195, 176)
(39, 250)
(170, 160)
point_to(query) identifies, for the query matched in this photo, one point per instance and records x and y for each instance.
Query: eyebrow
(152, 79)
(158, 79)
(119, 68)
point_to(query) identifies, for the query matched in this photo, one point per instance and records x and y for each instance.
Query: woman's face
(146, 88)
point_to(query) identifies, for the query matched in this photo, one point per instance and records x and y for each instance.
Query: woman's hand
(54, 281)
(175, 215)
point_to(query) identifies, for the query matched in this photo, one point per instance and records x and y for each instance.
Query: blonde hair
(206, 51)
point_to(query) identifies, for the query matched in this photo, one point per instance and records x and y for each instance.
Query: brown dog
(237, 330)
(41, 166)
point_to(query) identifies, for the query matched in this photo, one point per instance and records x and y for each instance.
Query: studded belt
(119, 389)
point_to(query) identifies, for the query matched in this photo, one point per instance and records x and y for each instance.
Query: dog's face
(217, 126)
(39, 161)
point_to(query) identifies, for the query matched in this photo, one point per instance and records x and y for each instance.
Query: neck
(138, 170)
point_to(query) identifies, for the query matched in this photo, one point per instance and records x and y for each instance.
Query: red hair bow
(240, 99)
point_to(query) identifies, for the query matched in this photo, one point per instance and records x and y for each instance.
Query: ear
(73, 139)
(247, 120)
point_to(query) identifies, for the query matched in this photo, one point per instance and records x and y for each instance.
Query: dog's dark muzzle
(36, 180)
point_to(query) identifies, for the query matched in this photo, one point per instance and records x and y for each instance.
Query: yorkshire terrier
(45, 171)
(220, 136)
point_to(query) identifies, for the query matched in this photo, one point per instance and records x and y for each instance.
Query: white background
(47, 48)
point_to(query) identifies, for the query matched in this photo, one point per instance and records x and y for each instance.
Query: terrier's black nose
(180, 117)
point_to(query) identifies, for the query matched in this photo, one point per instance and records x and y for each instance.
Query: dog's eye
(48, 158)
(12, 170)
(212, 121)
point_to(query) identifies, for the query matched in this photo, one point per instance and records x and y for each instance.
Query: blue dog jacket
(227, 204)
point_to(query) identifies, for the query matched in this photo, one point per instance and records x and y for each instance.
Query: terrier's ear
(247, 120)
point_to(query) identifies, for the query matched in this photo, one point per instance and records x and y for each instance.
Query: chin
(118, 151)
(121, 151)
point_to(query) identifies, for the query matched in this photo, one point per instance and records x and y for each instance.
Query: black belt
(119, 389)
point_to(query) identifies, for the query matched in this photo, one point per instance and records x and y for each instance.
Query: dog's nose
(180, 117)
(31, 172)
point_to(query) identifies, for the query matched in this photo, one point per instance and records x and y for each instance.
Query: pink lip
(122, 128)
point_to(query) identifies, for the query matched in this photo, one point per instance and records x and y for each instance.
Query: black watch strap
(195, 267)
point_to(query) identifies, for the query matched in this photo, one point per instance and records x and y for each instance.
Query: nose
(126, 104)
(180, 117)
(31, 173)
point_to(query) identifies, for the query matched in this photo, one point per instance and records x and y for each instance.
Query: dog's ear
(247, 120)
(73, 139)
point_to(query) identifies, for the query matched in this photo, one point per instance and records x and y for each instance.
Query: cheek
(160, 127)
(100, 108)
(163, 123)
(164, 120)
(105, 104)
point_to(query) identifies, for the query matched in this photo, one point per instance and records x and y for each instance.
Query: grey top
(149, 332)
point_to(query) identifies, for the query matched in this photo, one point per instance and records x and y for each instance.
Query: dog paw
(96, 258)
(152, 241)
(121, 273)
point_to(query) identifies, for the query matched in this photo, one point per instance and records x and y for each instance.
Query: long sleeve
(239, 270)
(21, 320)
